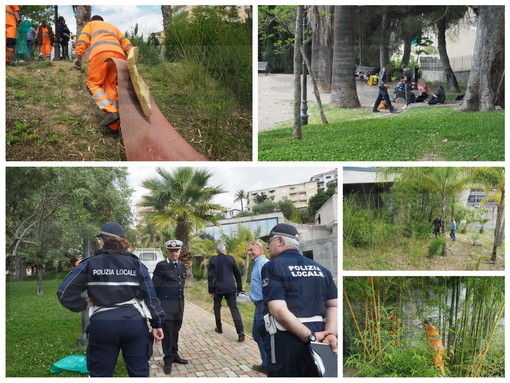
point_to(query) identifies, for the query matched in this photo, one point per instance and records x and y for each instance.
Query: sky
(125, 18)
(233, 179)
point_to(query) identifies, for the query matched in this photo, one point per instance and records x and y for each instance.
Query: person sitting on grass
(438, 96)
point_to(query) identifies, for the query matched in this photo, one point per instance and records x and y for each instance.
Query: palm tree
(240, 196)
(181, 199)
(447, 182)
(494, 179)
(343, 87)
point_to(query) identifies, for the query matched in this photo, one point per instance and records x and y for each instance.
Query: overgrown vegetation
(393, 228)
(219, 43)
(419, 134)
(383, 318)
(205, 93)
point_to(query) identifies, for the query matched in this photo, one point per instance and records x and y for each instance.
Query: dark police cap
(173, 244)
(284, 230)
(112, 229)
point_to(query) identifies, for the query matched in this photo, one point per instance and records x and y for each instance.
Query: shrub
(436, 245)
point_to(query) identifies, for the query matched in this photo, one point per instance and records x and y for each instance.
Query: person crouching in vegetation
(105, 41)
(435, 345)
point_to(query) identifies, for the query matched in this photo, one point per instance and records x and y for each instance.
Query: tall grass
(365, 227)
(219, 43)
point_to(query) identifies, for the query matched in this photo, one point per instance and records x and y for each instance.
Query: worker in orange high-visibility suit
(105, 41)
(435, 345)
(12, 19)
(45, 38)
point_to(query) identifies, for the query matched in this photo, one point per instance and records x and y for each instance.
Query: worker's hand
(77, 63)
(328, 338)
(212, 295)
(90, 303)
(158, 335)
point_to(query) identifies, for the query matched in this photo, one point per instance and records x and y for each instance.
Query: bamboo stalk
(356, 323)
(488, 345)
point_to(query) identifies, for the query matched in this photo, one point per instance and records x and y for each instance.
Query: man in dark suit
(222, 270)
(169, 277)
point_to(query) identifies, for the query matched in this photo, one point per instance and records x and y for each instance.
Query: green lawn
(39, 331)
(422, 133)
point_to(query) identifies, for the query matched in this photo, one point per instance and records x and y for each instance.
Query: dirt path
(276, 92)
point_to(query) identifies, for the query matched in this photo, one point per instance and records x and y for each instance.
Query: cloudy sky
(125, 18)
(234, 178)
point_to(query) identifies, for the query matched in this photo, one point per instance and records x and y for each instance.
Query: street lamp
(304, 72)
(55, 43)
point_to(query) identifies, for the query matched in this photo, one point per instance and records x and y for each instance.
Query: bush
(436, 246)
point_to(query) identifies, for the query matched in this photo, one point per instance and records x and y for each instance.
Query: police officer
(121, 298)
(169, 277)
(221, 272)
(301, 298)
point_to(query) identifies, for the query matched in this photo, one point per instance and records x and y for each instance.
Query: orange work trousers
(10, 44)
(46, 48)
(437, 357)
(102, 82)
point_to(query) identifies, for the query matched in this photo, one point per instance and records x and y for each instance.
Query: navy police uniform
(305, 286)
(221, 272)
(169, 282)
(116, 283)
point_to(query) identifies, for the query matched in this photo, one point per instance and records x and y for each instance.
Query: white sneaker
(405, 107)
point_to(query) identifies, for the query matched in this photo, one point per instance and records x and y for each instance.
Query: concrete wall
(325, 253)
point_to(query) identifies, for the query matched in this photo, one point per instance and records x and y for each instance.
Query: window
(147, 257)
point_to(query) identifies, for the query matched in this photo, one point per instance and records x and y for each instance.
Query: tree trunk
(343, 92)
(406, 55)
(82, 14)
(321, 22)
(40, 273)
(166, 11)
(384, 53)
(443, 55)
(297, 135)
(498, 231)
(484, 84)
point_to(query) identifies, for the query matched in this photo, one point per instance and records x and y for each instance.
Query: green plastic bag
(22, 52)
(70, 363)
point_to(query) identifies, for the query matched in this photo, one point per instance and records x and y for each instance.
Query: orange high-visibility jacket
(101, 36)
(45, 35)
(10, 20)
(435, 342)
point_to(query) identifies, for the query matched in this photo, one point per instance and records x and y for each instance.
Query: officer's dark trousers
(171, 329)
(258, 331)
(232, 304)
(118, 329)
(292, 357)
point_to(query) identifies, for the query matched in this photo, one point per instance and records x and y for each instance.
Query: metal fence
(458, 63)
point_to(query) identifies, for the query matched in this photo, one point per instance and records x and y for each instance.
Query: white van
(149, 257)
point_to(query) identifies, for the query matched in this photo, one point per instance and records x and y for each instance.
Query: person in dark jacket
(169, 277)
(121, 298)
(221, 272)
(63, 36)
(300, 297)
(438, 96)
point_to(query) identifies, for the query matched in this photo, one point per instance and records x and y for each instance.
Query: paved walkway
(209, 354)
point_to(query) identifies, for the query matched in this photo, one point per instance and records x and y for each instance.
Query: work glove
(77, 64)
